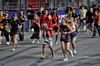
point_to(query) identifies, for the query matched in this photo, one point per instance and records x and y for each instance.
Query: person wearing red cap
(96, 24)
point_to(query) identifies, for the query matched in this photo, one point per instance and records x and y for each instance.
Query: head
(29, 7)
(36, 16)
(82, 7)
(44, 12)
(71, 19)
(96, 13)
(22, 12)
(41, 9)
(54, 11)
(6, 16)
(47, 19)
(73, 10)
(91, 9)
(14, 16)
(63, 21)
(83, 4)
(1, 13)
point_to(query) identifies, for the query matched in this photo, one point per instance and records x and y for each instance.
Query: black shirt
(74, 15)
(30, 12)
(15, 24)
(89, 16)
(39, 14)
(22, 20)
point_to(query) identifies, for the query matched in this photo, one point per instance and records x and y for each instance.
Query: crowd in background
(46, 26)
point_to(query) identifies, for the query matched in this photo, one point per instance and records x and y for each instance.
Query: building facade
(17, 5)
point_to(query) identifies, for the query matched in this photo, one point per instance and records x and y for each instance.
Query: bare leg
(43, 51)
(53, 54)
(14, 40)
(73, 43)
(67, 46)
(63, 48)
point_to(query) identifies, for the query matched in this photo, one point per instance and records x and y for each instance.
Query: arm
(76, 25)
(25, 18)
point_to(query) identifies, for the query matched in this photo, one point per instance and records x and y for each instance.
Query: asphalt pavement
(28, 54)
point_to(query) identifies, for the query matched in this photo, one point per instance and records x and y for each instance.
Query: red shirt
(36, 21)
(43, 19)
(50, 25)
(56, 18)
(96, 18)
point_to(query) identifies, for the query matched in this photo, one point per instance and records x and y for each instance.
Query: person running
(96, 24)
(36, 24)
(14, 25)
(6, 29)
(89, 18)
(22, 18)
(30, 13)
(1, 25)
(74, 15)
(56, 18)
(44, 25)
(65, 38)
(82, 13)
(73, 35)
(50, 43)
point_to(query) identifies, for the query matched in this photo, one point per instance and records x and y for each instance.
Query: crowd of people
(46, 26)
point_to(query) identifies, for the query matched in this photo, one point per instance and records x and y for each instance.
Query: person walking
(22, 18)
(50, 43)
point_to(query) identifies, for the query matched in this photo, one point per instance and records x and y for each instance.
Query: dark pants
(96, 27)
(36, 33)
(21, 32)
(6, 34)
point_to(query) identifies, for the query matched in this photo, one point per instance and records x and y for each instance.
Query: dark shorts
(14, 32)
(55, 29)
(82, 19)
(90, 25)
(1, 29)
(66, 40)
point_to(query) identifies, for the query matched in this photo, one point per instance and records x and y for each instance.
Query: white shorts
(50, 42)
(43, 25)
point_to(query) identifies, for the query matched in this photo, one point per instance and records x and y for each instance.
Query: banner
(61, 13)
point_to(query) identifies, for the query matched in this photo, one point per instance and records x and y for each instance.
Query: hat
(83, 3)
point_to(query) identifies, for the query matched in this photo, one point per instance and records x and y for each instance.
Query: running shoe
(13, 49)
(56, 42)
(32, 30)
(33, 41)
(71, 54)
(84, 27)
(46, 40)
(38, 41)
(74, 52)
(93, 36)
(65, 59)
(8, 43)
